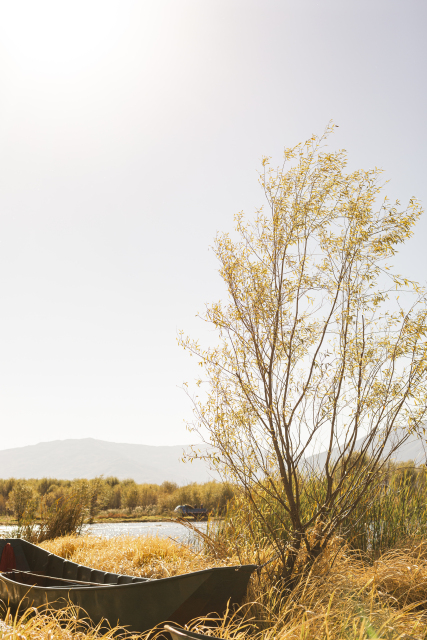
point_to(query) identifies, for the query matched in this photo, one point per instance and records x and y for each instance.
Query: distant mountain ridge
(413, 449)
(88, 458)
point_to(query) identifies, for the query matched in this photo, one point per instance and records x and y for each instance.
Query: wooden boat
(33, 577)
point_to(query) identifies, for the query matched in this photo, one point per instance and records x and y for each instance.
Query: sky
(131, 132)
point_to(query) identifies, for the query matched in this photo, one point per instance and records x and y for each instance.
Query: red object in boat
(8, 560)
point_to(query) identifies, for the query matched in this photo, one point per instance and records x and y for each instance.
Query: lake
(172, 530)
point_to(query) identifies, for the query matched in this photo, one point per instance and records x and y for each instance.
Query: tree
(62, 516)
(168, 487)
(22, 501)
(93, 489)
(130, 496)
(320, 345)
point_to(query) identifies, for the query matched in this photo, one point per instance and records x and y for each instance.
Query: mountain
(413, 449)
(88, 458)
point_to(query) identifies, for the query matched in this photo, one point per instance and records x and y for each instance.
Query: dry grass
(401, 574)
(147, 556)
(55, 625)
(345, 597)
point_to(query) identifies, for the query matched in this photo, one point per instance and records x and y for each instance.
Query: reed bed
(346, 596)
(343, 598)
(147, 556)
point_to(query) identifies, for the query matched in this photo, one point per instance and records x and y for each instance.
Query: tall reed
(396, 512)
(382, 519)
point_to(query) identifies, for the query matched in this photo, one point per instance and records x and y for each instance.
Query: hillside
(413, 449)
(88, 458)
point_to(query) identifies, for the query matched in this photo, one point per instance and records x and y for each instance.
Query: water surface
(172, 530)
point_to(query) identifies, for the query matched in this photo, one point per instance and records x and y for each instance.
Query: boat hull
(138, 606)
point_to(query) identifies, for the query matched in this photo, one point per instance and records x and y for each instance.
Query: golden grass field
(344, 598)
(148, 556)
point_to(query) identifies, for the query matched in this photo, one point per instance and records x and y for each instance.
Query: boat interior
(27, 563)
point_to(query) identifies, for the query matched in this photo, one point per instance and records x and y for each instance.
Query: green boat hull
(136, 603)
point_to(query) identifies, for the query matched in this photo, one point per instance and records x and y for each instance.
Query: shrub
(22, 501)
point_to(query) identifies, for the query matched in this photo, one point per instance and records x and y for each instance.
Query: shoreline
(153, 519)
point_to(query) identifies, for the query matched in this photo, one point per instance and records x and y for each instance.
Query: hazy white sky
(132, 131)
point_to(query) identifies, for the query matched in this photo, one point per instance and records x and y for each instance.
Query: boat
(33, 577)
(183, 634)
(198, 513)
